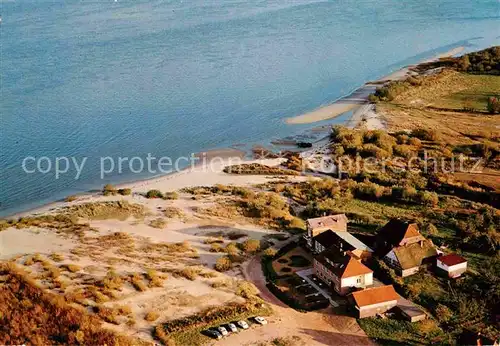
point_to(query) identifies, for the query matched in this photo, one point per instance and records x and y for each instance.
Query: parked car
(212, 333)
(242, 324)
(231, 327)
(222, 330)
(260, 320)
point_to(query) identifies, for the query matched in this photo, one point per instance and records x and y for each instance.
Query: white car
(232, 327)
(260, 320)
(242, 324)
(222, 330)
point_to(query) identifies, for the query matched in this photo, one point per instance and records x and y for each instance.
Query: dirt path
(315, 328)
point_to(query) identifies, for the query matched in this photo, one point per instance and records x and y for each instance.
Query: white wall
(374, 306)
(452, 268)
(366, 280)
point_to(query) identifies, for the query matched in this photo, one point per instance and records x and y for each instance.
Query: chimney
(421, 243)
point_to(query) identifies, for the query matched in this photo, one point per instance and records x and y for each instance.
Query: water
(127, 78)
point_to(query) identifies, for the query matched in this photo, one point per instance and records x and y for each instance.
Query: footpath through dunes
(314, 328)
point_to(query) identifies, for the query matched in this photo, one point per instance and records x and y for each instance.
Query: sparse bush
(190, 273)
(138, 283)
(154, 194)
(173, 212)
(56, 257)
(223, 264)
(158, 223)
(109, 190)
(155, 280)
(216, 247)
(73, 268)
(425, 134)
(232, 249)
(270, 252)
(124, 192)
(247, 290)
(71, 198)
(171, 195)
(152, 316)
(414, 141)
(107, 314)
(251, 246)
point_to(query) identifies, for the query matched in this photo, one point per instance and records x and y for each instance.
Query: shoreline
(359, 97)
(356, 101)
(196, 175)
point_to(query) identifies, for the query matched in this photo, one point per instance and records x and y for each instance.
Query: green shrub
(270, 252)
(251, 246)
(223, 264)
(154, 194)
(427, 198)
(171, 195)
(124, 192)
(71, 198)
(493, 105)
(109, 190)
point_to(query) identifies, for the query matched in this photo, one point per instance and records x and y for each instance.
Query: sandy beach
(359, 97)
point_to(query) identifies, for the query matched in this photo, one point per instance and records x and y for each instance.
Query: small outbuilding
(373, 301)
(451, 265)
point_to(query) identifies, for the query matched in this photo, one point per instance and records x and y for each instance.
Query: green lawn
(475, 96)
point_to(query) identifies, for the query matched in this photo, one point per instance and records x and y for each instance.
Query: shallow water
(127, 78)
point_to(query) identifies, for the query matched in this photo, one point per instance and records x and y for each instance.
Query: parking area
(227, 329)
(320, 287)
(299, 293)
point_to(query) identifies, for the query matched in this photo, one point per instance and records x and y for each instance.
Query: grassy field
(475, 94)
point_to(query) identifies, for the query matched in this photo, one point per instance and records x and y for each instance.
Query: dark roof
(329, 238)
(411, 256)
(393, 233)
(452, 259)
(341, 264)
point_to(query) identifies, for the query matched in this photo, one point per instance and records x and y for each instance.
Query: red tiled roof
(375, 295)
(452, 259)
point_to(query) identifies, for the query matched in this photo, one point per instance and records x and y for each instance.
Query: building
(373, 301)
(452, 265)
(401, 245)
(344, 241)
(341, 271)
(319, 225)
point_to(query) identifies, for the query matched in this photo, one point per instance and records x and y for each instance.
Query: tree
(493, 105)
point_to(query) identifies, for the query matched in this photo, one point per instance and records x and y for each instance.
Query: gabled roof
(375, 295)
(396, 232)
(327, 221)
(342, 265)
(410, 256)
(451, 259)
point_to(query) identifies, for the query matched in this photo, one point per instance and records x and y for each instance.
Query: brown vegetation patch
(257, 169)
(23, 304)
(120, 210)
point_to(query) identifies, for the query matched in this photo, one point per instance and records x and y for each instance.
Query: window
(358, 280)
